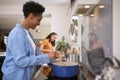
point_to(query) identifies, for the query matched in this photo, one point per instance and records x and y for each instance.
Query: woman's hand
(51, 55)
(57, 54)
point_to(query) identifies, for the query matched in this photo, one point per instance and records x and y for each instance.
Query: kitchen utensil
(66, 70)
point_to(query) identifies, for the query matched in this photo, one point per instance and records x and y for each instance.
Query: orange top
(47, 44)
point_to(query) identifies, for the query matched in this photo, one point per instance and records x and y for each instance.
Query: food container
(65, 69)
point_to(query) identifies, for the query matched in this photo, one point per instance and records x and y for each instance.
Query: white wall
(44, 28)
(11, 9)
(116, 28)
(59, 20)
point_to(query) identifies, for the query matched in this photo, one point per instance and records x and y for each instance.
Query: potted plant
(73, 30)
(62, 45)
(73, 27)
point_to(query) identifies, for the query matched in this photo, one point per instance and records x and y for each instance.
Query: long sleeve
(20, 57)
(20, 54)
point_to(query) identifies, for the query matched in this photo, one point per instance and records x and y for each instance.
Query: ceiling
(19, 2)
(8, 20)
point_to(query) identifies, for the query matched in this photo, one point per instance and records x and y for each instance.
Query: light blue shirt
(20, 56)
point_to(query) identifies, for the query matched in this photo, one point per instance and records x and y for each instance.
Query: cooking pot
(65, 69)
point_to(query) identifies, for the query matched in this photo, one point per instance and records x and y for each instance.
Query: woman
(95, 42)
(22, 56)
(47, 47)
(48, 43)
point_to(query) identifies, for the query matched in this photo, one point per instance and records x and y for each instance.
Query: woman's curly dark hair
(32, 7)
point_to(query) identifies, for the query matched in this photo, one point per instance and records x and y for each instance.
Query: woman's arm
(45, 50)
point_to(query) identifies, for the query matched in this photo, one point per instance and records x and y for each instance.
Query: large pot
(65, 69)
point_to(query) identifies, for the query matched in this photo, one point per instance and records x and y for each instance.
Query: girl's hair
(49, 38)
(93, 34)
(107, 62)
(95, 38)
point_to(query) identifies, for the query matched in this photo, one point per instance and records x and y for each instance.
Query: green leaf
(62, 45)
